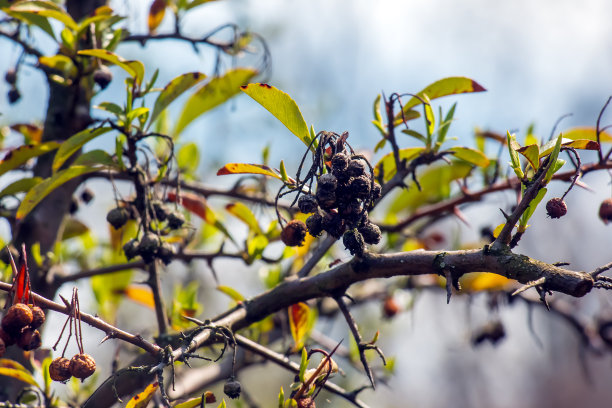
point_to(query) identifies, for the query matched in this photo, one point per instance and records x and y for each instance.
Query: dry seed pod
(556, 208)
(305, 402)
(38, 316)
(339, 163)
(307, 204)
(353, 241)
(371, 233)
(82, 366)
(356, 168)
(18, 316)
(294, 233)
(117, 217)
(29, 339)
(314, 223)
(59, 369)
(232, 388)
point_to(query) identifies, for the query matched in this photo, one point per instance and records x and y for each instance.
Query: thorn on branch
(529, 285)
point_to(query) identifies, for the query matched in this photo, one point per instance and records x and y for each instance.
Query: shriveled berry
(29, 339)
(148, 247)
(314, 224)
(556, 208)
(82, 366)
(305, 402)
(11, 76)
(356, 168)
(166, 253)
(13, 95)
(117, 217)
(333, 224)
(353, 241)
(232, 388)
(130, 248)
(327, 182)
(38, 316)
(371, 233)
(605, 210)
(376, 191)
(59, 369)
(360, 187)
(7, 338)
(294, 233)
(326, 199)
(308, 204)
(87, 195)
(339, 163)
(73, 207)
(175, 220)
(102, 76)
(18, 316)
(350, 210)
(160, 210)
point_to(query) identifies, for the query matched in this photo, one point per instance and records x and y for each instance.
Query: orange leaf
(142, 400)
(156, 14)
(195, 204)
(247, 168)
(299, 314)
(140, 294)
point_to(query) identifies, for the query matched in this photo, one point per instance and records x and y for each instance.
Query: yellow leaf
(156, 14)
(479, 281)
(140, 294)
(298, 322)
(142, 400)
(588, 133)
(498, 229)
(247, 168)
(20, 375)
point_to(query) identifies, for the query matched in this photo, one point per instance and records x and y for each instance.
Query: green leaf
(68, 39)
(20, 155)
(188, 158)
(387, 162)
(94, 157)
(476, 157)
(45, 9)
(196, 3)
(135, 69)
(60, 63)
(531, 209)
(553, 159)
(415, 134)
(44, 188)
(33, 19)
(445, 125)
(303, 364)
(20, 375)
(280, 104)
(430, 120)
(137, 113)
(173, 90)
(244, 213)
(581, 144)
(515, 162)
(532, 154)
(281, 397)
(112, 108)
(74, 143)
(73, 228)
(443, 87)
(20, 186)
(376, 109)
(231, 292)
(212, 94)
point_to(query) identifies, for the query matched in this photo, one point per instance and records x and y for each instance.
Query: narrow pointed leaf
(142, 399)
(140, 294)
(20, 375)
(213, 94)
(248, 168)
(387, 162)
(156, 14)
(231, 292)
(135, 69)
(470, 155)
(588, 133)
(532, 154)
(280, 104)
(244, 213)
(20, 155)
(74, 143)
(298, 323)
(20, 186)
(45, 9)
(173, 90)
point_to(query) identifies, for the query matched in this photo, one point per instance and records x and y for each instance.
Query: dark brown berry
(13, 95)
(339, 163)
(314, 224)
(350, 210)
(74, 206)
(306, 402)
(232, 388)
(59, 369)
(17, 317)
(82, 366)
(333, 224)
(87, 195)
(117, 217)
(356, 168)
(353, 241)
(160, 210)
(38, 316)
(7, 338)
(29, 339)
(130, 248)
(376, 191)
(556, 208)
(11, 76)
(166, 253)
(326, 199)
(390, 307)
(175, 220)
(605, 210)
(102, 76)
(294, 233)
(148, 247)
(308, 204)
(360, 187)
(371, 233)
(327, 182)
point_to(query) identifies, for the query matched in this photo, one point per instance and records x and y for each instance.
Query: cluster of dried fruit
(13, 94)
(339, 206)
(150, 246)
(19, 326)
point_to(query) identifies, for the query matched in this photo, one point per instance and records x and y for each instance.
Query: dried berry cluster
(19, 326)
(10, 78)
(150, 246)
(341, 203)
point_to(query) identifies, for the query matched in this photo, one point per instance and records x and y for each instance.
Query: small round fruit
(326, 198)
(148, 247)
(175, 220)
(306, 402)
(11, 76)
(130, 248)
(356, 168)
(339, 163)
(166, 253)
(360, 187)
(371, 233)
(232, 388)
(308, 204)
(102, 76)
(605, 210)
(294, 233)
(87, 195)
(38, 316)
(376, 191)
(314, 224)
(82, 366)
(160, 210)
(117, 217)
(353, 241)
(390, 307)
(59, 369)
(327, 182)
(18, 316)
(556, 208)
(333, 224)
(29, 339)
(13, 96)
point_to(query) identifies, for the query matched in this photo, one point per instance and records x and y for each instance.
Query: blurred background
(537, 60)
